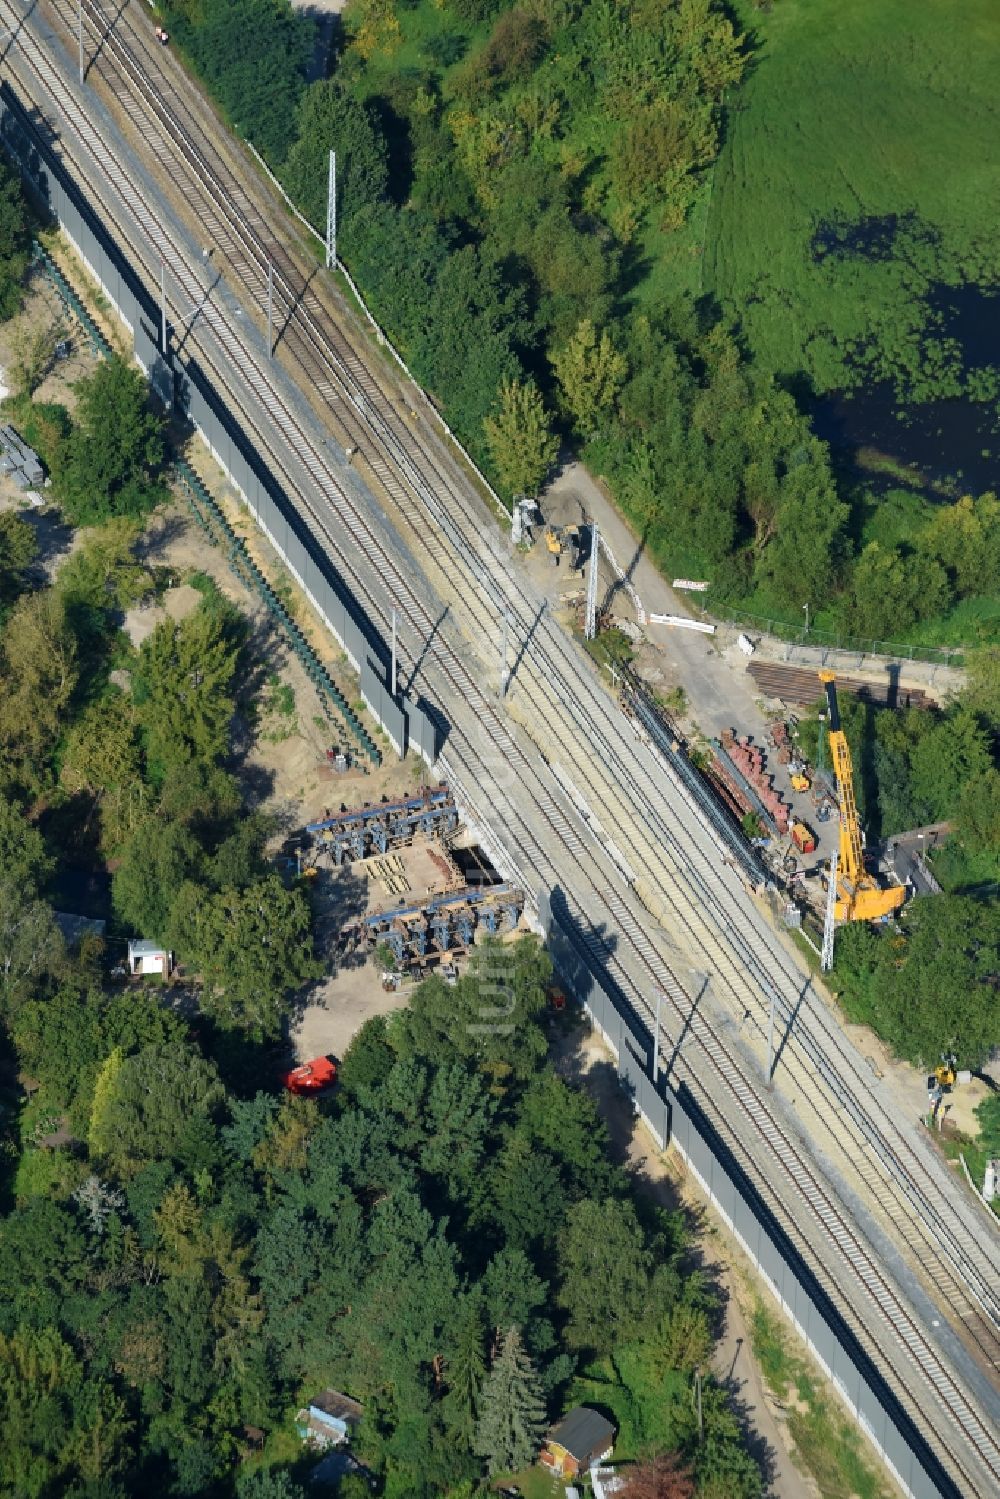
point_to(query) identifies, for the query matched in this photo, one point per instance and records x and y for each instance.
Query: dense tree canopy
(109, 464)
(934, 990)
(14, 236)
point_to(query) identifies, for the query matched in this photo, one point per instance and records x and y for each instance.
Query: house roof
(583, 1431)
(143, 947)
(341, 1407)
(75, 927)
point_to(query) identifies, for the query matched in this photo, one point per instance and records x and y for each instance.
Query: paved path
(720, 693)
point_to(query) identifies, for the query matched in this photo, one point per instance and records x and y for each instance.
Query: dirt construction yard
(340, 1004)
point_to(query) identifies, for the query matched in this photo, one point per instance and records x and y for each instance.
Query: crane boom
(850, 861)
(859, 897)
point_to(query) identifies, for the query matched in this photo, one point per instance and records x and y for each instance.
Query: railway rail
(799, 686)
(414, 479)
(760, 1136)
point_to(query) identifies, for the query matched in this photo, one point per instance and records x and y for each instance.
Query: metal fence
(828, 640)
(675, 1116)
(181, 384)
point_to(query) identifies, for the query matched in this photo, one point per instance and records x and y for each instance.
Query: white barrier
(682, 622)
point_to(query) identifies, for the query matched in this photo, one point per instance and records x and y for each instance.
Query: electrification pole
(331, 213)
(656, 1036)
(590, 624)
(163, 307)
(393, 683)
(270, 309)
(769, 1078)
(79, 34)
(826, 959)
(504, 675)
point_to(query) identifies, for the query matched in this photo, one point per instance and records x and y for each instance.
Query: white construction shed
(146, 957)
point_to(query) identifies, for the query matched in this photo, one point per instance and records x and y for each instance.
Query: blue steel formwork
(446, 923)
(376, 828)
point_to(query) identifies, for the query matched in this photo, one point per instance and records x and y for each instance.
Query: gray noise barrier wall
(676, 1116)
(670, 1115)
(182, 384)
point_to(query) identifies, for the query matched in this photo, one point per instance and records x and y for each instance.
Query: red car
(312, 1077)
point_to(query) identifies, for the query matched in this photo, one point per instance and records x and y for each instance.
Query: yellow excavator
(859, 895)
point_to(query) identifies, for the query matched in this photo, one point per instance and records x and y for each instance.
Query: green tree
(978, 817)
(109, 464)
(239, 858)
(965, 539)
(205, 797)
(24, 858)
(591, 373)
(38, 673)
(150, 1106)
(890, 591)
(368, 1060)
(251, 948)
(464, 1371)
(331, 119)
(520, 439)
(934, 992)
(802, 555)
(512, 1417)
(103, 571)
(982, 692)
(18, 550)
(604, 1274)
(14, 243)
(59, 1428)
(181, 688)
(502, 996)
(945, 760)
(253, 55)
(723, 1465)
(31, 947)
(102, 758)
(155, 862)
(270, 1483)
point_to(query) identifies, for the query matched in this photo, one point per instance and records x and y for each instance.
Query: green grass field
(855, 111)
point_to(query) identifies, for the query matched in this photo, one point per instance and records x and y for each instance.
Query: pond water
(953, 444)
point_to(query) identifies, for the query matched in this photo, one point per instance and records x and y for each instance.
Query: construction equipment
(312, 1077)
(803, 837)
(859, 895)
(800, 782)
(944, 1072)
(553, 545)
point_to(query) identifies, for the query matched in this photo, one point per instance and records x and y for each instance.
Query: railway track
(336, 521)
(332, 365)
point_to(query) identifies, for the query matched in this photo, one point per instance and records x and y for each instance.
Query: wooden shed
(582, 1438)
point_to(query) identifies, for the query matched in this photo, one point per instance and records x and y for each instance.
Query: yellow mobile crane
(859, 896)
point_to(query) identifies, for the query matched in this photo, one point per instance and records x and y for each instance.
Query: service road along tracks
(563, 789)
